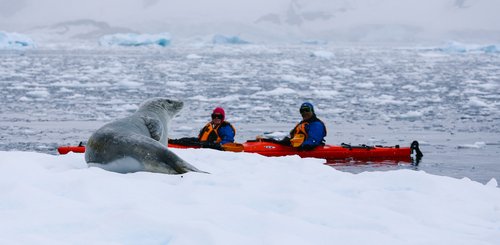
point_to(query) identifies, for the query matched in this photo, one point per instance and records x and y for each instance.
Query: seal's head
(172, 107)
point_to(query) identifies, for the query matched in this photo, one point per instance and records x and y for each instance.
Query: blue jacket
(226, 134)
(316, 132)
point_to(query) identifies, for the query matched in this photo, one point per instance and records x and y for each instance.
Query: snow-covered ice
(246, 199)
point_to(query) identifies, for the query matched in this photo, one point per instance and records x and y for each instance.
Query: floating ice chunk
(383, 100)
(133, 39)
(176, 84)
(364, 85)
(488, 86)
(294, 79)
(127, 83)
(25, 99)
(260, 108)
(15, 41)
(411, 88)
(476, 145)
(411, 115)
(199, 98)
(39, 93)
(323, 54)
(476, 102)
(129, 107)
(325, 93)
(345, 71)
(229, 98)
(193, 57)
(277, 91)
(276, 135)
(221, 39)
(314, 42)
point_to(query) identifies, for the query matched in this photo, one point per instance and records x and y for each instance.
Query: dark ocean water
(449, 102)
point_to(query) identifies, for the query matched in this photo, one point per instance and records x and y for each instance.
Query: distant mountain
(295, 15)
(384, 21)
(83, 29)
(288, 21)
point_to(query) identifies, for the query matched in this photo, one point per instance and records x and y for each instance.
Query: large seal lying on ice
(138, 142)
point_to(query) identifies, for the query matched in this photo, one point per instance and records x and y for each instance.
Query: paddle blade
(234, 147)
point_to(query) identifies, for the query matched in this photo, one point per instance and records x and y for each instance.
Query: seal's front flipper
(154, 126)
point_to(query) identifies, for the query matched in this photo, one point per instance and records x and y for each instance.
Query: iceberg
(457, 47)
(322, 54)
(15, 40)
(134, 39)
(221, 39)
(491, 49)
(314, 42)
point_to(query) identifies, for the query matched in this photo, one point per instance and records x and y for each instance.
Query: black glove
(186, 141)
(285, 141)
(211, 145)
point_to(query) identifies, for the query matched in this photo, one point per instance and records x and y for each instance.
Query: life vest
(211, 134)
(299, 133)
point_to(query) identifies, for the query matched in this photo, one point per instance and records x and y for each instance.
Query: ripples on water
(449, 102)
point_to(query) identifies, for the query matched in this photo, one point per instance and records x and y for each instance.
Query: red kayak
(332, 153)
(338, 154)
(71, 148)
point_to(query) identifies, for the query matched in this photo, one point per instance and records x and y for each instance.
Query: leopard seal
(138, 142)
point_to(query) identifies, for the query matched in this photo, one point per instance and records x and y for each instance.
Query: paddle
(234, 147)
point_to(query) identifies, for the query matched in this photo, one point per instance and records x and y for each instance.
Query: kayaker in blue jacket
(310, 132)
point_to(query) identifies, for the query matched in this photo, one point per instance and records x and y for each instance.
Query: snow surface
(246, 199)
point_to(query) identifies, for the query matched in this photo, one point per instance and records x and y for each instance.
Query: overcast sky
(151, 15)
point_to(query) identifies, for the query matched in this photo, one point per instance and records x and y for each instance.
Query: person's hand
(285, 141)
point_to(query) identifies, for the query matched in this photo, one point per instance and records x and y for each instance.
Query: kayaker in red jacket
(308, 133)
(218, 131)
(215, 134)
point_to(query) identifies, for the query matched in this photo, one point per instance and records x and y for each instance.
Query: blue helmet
(307, 105)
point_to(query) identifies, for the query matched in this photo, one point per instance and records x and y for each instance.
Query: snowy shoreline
(246, 199)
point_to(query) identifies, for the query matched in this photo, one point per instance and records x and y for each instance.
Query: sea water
(449, 102)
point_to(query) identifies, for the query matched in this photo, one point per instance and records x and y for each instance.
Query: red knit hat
(219, 110)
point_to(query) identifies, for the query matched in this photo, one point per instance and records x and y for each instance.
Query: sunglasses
(218, 116)
(305, 109)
